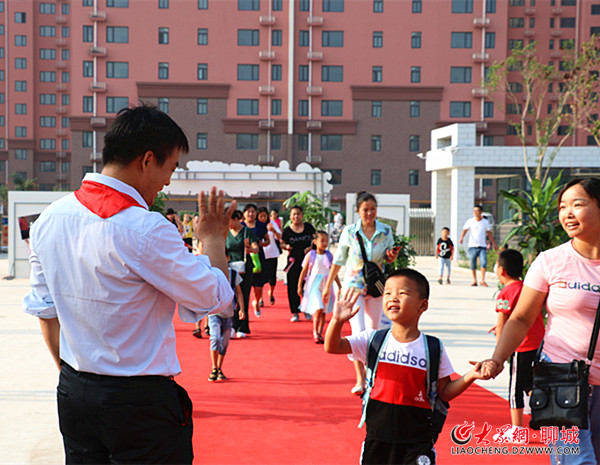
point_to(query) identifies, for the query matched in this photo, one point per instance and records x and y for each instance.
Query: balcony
(61, 177)
(61, 19)
(314, 21)
(555, 54)
(481, 22)
(314, 56)
(481, 57)
(266, 90)
(61, 155)
(95, 156)
(529, 32)
(266, 160)
(97, 51)
(98, 121)
(98, 16)
(61, 132)
(60, 110)
(314, 159)
(61, 87)
(314, 125)
(98, 86)
(556, 11)
(61, 65)
(61, 42)
(266, 124)
(529, 11)
(480, 92)
(266, 55)
(481, 125)
(556, 33)
(314, 90)
(267, 20)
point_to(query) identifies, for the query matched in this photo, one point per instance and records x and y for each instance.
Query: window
(303, 39)
(303, 73)
(516, 22)
(413, 177)
(415, 109)
(376, 108)
(517, 87)
(65, 76)
(331, 107)
(248, 37)
(88, 104)
(65, 165)
(20, 154)
(377, 6)
(302, 141)
(21, 86)
(514, 108)
(377, 74)
(163, 4)
(64, 53)
(202, 71)
(88, 68)
(275, 141)
(515, 44)
(277, 5)
(532, 22)
(1, 29)
(247, 72)
(304, 5)
(87, 139)
(331, 142)
(276, 37)
(1, 97)
(567, 22)
(593, 30)
(460, 74)
(336, 177)
(377, 39)
(201, 106)
(488, 140)
(47, 166)
(488, 109)
(566, 44)
(276, 72)
(47, 76)
(201, 141)
(115, 104)
(490, 6)
(117, 3)
(333, 6)
(1, 120)
(65, 31)
(417, 6)
(490, 40)
(202, 36)
(462, 6)
(163, 70)
(21, 131)
(517, 2)
(65, 144)
(48, 144)
(48, 31)
(163, 35)
(65, 9)
(47, 121)
(415, 40)
(461, 40)
(88, 34)
(21, 63)
(20, 40)
(20, 17)
(203, 4)
(596, 9)
(414, 143)
(276, 107)
(303, 108)
(88, 2)
(568, 2)
(248, 5)
(332, 38)
(117, 34)
(332, 73)
(246, 142)
(65, 99)
(47, 99)
(20, 108)
(375, 143)
(551, 23)
(415, 74)
(460, 109)
(47, 54)
(247, 106)
(1, 52)
(117, 69)
(375, 177)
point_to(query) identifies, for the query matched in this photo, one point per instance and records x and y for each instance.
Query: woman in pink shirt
(566, 279)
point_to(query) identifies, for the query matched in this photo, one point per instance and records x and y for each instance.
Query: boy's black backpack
(433, 354)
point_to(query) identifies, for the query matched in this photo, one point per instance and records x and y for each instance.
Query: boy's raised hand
(345, 308)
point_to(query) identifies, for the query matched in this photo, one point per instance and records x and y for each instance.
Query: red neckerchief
(103, 200)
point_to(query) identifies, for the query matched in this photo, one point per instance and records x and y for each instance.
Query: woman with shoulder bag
(378, 242)
(566, 279)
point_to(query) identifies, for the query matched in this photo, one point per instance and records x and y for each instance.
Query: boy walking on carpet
(398, 413)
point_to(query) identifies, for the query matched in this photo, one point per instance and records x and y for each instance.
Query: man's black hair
(413, 275)
(512, 262)
(138, 130)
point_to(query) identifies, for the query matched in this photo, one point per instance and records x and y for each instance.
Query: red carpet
(288, 402)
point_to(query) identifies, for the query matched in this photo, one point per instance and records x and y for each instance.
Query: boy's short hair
(446, 228)
(512, 262)
(138, 130)
(414, 275)
(479, 206)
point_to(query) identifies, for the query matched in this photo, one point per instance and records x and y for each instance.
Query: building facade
(353, 87)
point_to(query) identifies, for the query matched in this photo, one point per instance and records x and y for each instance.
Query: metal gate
(421, 230)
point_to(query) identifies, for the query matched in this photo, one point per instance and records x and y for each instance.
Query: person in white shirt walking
(105, 276)
(480, 230)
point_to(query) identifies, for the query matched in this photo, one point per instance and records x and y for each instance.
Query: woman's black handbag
(374, 277)
(561, 390)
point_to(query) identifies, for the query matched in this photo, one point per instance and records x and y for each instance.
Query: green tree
(159, 203)
(406, 254)
(314, 211)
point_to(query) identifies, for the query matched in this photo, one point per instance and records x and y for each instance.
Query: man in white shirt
(105, 276)
(479, 229)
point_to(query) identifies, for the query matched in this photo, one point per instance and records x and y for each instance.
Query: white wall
(392, 206)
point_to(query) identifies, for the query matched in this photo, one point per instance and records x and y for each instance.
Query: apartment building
(351, 86)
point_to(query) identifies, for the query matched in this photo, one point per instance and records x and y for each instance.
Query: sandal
(213, 375)
(317, 338)
(197, 333)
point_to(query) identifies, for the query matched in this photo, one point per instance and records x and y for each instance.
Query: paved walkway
(458, 313)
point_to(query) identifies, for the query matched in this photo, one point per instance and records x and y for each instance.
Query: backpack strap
(433, 353)
(376, 344)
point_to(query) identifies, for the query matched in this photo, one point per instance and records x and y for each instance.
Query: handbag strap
(362, 247)
(594, 338)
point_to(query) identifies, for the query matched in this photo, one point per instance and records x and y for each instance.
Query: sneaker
(221, 376)
(448, 281)
(261, 303)
(232, 334)
(257, 312)
(213, 375)
(440, 281)
(240, 335)
(272, 300)
(308, 316)
(295, 318)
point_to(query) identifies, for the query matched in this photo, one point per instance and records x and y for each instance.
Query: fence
(421, 231)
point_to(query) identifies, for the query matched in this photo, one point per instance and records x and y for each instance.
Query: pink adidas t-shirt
(573, 286)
